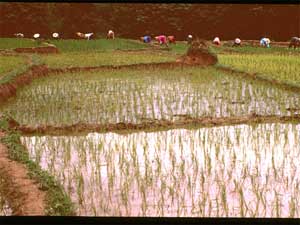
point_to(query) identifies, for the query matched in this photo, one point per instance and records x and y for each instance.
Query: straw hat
(36, 35)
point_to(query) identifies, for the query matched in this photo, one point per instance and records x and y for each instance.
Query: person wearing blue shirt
(146, 39)
(265, 42)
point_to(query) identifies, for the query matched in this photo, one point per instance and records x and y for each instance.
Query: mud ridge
(23, 193)
(50, 49)
(151, 125)
(8, 90)
(130, 66)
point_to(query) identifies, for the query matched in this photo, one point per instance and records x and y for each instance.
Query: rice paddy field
(233, 170)
(129, 96)
(283, 68)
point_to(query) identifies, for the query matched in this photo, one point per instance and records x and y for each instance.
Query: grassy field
(9, 63)
(283, 68)
(11, 43)
(138, 95)
(235, 171)
(82, 59)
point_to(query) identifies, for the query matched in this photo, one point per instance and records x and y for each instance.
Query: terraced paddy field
(234, 171)
(153, 140)
(135, 96)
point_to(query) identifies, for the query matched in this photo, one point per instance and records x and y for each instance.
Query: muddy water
(5, 209)
(234, 171)
(137, 96)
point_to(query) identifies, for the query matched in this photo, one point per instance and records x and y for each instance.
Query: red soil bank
(23, 193)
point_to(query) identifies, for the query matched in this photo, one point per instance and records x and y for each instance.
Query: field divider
(29, 189)
(154, 125)
(259, 77)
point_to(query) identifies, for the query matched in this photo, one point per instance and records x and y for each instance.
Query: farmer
(146, 39)
(55, 35)
(265, 42)
(295, 41)
(36, 36)
(189, 39)
(171, 39)
(19, 35)
(87, 36)
(161, 39)
(237, 42)
(110, 35)
(217, 41)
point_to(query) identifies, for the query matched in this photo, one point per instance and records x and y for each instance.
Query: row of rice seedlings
(284, 68)
(108, 98)
(233, 171)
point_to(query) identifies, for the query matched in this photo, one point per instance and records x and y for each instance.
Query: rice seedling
(167, 164)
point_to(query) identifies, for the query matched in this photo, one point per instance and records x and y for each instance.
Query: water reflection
(235, 171)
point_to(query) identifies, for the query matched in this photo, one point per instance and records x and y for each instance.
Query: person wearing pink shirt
(162, 39)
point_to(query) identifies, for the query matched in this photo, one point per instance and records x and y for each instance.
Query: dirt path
(184, 121)
(22, 192)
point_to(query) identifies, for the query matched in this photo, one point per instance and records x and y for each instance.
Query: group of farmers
(164, 40)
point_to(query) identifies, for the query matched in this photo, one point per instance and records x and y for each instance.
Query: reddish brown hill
(247, 21)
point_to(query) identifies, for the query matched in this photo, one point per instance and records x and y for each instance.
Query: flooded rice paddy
(236, 171)
(143, 95)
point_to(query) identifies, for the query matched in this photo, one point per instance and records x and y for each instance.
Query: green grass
(9, 63)
(58, 202)
(11, 43)
(134, 96)
(82, 59)
(97, 45)
(283, 68)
